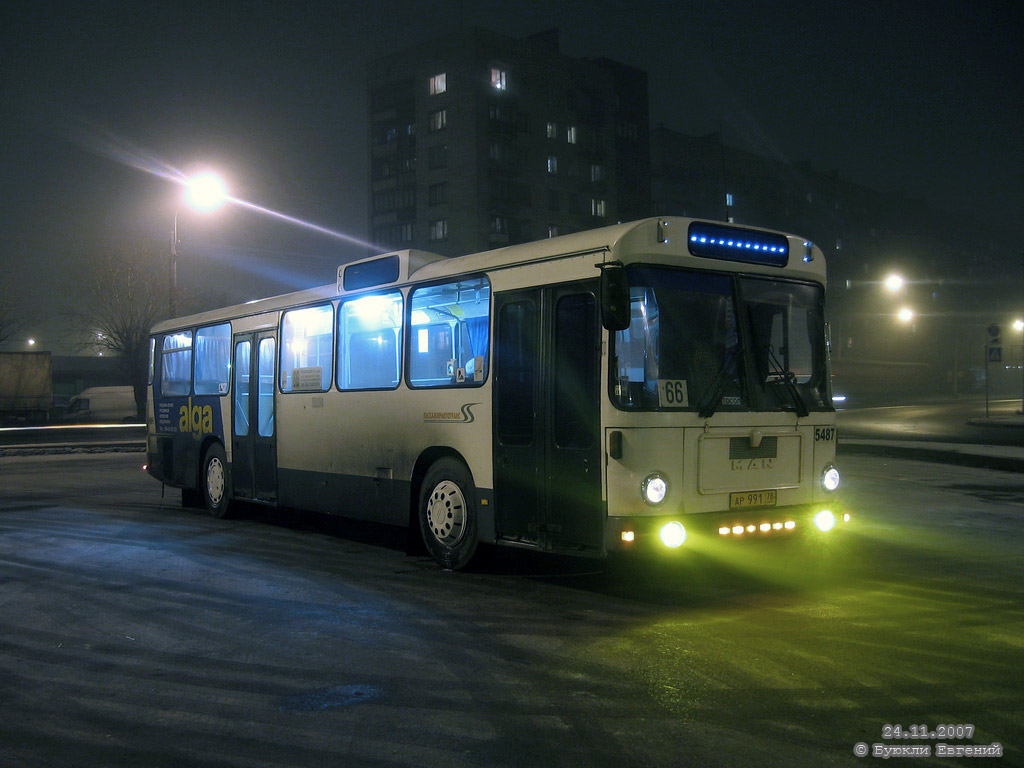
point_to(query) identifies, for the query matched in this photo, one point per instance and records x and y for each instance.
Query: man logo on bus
(195, 419)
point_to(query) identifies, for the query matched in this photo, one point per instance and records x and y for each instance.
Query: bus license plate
(752, 499)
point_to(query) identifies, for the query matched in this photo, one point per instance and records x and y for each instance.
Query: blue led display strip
(717, 241)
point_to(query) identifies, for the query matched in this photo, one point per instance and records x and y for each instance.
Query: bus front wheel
(447, 513)
(216, 493)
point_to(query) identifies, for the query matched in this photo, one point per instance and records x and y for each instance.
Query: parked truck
(26, 387)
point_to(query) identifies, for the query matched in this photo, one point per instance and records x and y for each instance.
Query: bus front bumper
(714, 529)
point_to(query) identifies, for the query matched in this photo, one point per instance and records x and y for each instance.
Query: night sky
(925, 97)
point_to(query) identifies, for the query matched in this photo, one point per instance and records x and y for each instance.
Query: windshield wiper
(788, 379)
(718, 391)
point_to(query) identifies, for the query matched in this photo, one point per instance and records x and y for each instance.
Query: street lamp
(894, 283)
(204, 192)
(905, 315)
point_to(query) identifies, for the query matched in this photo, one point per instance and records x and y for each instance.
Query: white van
(106, 404)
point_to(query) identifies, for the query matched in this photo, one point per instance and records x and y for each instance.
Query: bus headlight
(672, 534)
(825, 520)
(830, 478)
(654, 489)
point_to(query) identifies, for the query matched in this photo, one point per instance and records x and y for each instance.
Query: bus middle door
(254, 422)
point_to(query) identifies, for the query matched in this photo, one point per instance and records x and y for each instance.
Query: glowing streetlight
(204, 192)
(905, 315)
(1018, 325)
(894, 283)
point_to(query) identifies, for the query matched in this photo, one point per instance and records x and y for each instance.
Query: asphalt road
(136, 633)
(951, 421)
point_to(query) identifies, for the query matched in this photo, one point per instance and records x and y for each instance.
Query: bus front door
(547, 483)
(254, 433)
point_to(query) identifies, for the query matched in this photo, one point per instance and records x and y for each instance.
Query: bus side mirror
(614, 296)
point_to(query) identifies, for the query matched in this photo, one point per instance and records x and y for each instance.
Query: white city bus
(652, 385)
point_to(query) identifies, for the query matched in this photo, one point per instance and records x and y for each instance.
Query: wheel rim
(215, 481)
(446, 513)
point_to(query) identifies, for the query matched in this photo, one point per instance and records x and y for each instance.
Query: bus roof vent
(386, 269)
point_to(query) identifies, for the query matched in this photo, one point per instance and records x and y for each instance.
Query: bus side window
(369, 341)
(213, 355)
(176, 364)
(449, 334)
(307, 349)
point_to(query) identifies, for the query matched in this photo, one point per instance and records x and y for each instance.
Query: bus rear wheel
(447, 513)
(216, 493)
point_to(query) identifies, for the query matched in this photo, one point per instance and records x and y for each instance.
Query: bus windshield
(708, 342)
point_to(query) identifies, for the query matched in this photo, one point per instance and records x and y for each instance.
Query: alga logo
(463, 416)
(195, 419)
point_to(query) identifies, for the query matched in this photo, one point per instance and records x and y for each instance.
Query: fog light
(672, 534)
(825, 520)
(654, 489)
(789, 525)
(723, 531)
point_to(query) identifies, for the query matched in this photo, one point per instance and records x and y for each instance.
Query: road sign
(995, 354)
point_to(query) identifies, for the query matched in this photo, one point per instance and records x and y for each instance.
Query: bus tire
(215, 482)
(447, 513)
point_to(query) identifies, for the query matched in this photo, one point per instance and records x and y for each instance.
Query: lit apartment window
(597, 207)
(552, 230)
(499, 225)
(498, 79)
(439, 229)
(438, 84)
(596, 172)
(570, 134)
(438, 120)
(552, 164)
(552, 130)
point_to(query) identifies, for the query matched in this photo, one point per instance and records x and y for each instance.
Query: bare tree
(117, 297)
(14, 317)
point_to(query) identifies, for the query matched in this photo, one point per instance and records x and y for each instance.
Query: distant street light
(204, 192)
(905, 315)
(894, 283)
(1018, 325)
